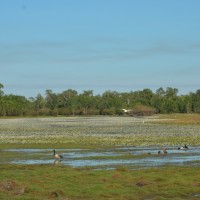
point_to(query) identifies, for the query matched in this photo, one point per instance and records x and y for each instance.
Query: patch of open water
(86, 157)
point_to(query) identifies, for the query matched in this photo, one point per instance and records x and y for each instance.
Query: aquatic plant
(96, 130)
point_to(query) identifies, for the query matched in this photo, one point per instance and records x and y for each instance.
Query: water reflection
(57, 161)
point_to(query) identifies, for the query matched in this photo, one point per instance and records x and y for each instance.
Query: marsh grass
(58, 182)
(177, 118)
(107, 131)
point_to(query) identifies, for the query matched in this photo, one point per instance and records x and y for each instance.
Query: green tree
(111, 102)
(171, 100)
(1, 90)
(68, 102)
(51, 100)
(86, 101)
(196, 101)
(15, 105)
(158, 101)
(39, 102)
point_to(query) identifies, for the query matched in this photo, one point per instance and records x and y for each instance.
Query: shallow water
(85, 157)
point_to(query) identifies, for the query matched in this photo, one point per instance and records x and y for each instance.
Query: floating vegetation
(96, 130)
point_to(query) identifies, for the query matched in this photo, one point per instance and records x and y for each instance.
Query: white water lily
(96, 130)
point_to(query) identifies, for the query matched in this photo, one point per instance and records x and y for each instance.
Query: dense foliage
(69, 102)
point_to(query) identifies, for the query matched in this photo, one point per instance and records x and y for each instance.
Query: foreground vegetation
(41, 182)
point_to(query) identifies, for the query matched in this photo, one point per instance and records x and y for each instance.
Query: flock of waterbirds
(164, 151)
(59, 157)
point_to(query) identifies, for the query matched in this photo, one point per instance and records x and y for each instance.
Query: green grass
(65, 183)
(179, 118)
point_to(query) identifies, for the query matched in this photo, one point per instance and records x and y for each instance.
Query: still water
(106, 158)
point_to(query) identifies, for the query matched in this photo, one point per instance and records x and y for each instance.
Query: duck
(185, 147)
(57, 156)
(164, 151)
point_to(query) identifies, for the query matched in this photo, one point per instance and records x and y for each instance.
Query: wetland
(108, 158)
(103, 158)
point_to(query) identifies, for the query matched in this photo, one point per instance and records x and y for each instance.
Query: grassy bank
(65, 183)
(179, 118)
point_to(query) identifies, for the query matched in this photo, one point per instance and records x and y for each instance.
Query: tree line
(70, 102)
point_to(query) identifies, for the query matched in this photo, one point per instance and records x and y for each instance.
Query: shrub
(142, 110)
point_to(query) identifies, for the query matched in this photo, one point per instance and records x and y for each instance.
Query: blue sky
(99, 45)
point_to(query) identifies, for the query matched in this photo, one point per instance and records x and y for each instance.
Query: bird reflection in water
(57, 161)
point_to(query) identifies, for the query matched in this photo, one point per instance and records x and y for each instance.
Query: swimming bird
(185, 147)
(164, 151)
(57, 156)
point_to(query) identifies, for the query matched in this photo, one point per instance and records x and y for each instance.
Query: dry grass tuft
(56, 194)
(12, 187)
(117, 176)
(141, 183)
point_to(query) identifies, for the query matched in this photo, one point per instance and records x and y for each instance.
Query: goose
(185, 147)
(57, 156)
